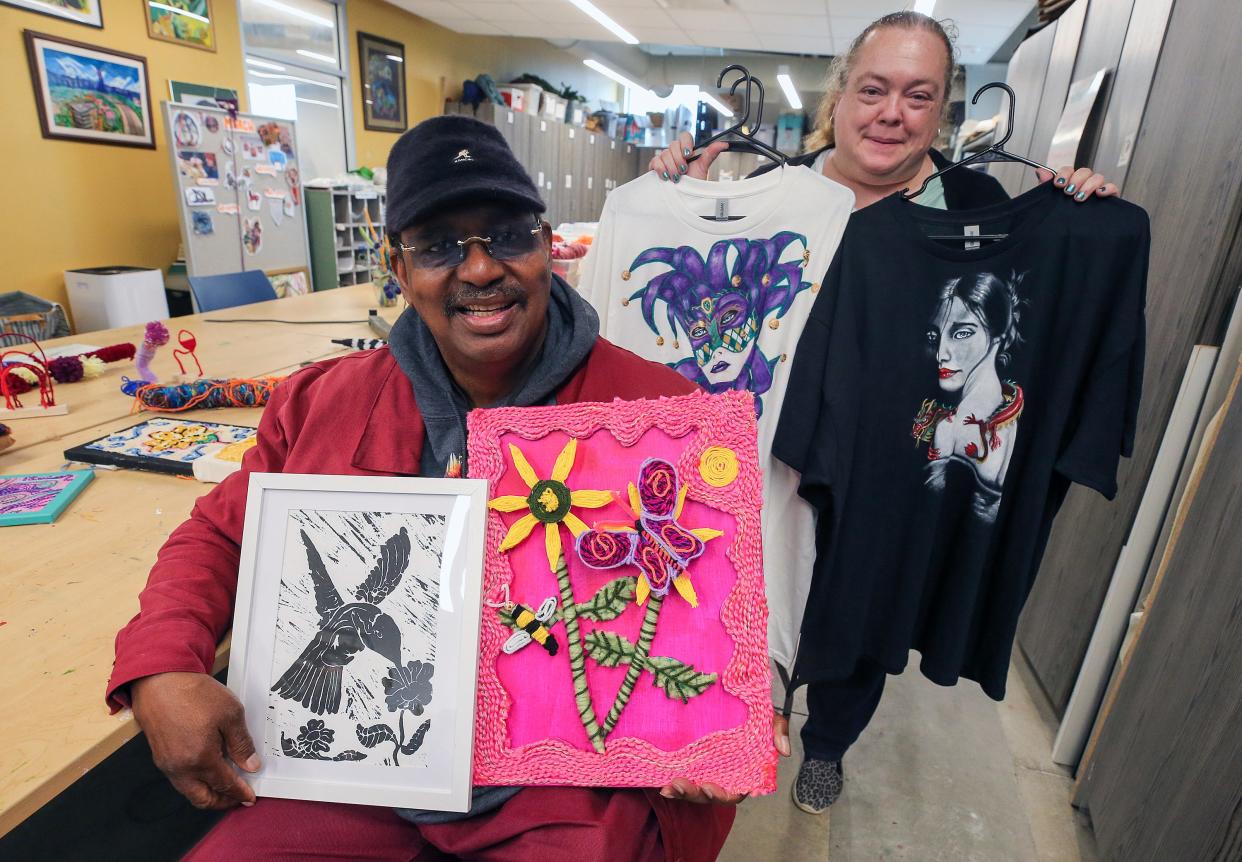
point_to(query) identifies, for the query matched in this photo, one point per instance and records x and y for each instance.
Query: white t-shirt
(724, 303)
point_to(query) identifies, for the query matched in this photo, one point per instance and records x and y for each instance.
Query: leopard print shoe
(819, 785)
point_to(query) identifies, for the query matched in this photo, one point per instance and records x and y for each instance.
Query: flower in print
(721, 303)
(409, 687)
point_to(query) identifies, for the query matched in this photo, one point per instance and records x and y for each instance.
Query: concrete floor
(941, 773)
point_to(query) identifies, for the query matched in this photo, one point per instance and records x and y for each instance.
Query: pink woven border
(740, 760)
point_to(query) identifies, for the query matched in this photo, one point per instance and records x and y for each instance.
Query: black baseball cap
(451, 160)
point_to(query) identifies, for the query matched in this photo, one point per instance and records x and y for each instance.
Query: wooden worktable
(66, 588)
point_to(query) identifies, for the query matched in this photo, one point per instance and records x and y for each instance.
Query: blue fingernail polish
(1080, 197)
(1060, 181)
(665, 175)
(682, 168)
(686, 151)
(1070, 190)
(676, 178)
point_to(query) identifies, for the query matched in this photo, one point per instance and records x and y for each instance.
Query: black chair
(230, 289)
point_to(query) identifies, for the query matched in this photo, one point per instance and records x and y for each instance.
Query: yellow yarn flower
(718, 466)
(548, 502)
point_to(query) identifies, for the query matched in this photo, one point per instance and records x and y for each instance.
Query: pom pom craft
(636, 571)
(155, 338)
(22, 366)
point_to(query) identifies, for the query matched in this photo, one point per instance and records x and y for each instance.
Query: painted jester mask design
(720, 304)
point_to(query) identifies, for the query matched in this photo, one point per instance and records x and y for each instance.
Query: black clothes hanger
(994, 153)
(741, 130)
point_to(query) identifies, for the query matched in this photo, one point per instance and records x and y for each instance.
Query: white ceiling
(786, 26)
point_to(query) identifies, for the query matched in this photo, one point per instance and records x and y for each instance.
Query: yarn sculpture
(155, 338)
(70, 369)
(204, 393)
(24, 364)
(188, 342)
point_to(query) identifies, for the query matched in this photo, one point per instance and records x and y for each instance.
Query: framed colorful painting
(356, 634)
(182, 22)
(90, 94)
(86, 12)
(383, 83)
(629, 647)
(39, 498)
(161, 445)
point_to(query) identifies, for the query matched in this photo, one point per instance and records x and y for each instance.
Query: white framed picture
(356, 637)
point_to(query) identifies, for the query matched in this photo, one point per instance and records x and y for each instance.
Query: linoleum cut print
(354, 663)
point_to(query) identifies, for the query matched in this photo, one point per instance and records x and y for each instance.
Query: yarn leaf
(415, 742)
(609, 649)
(375, 734)
(609, 602)
(678, 680)
(350, 755)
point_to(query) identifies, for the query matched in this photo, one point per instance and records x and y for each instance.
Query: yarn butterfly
(653, 541)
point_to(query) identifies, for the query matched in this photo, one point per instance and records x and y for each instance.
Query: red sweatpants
(539, 824)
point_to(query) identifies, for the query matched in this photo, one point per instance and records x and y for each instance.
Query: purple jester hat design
(722, 303)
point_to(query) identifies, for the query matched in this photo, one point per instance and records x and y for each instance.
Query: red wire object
(187, 340)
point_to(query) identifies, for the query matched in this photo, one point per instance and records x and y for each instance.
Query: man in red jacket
(488, 326)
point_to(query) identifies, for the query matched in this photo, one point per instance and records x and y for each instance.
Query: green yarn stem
(646, 634)
(577, 662)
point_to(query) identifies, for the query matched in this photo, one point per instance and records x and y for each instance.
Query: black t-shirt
(941, 400)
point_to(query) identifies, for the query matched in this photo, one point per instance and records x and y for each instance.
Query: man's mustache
(506, 293)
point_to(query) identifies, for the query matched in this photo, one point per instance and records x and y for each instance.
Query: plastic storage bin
(104, 297)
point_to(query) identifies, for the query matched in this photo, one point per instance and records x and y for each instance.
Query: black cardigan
(964, 188)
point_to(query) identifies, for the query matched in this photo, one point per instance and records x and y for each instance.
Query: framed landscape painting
(85, 12)
(383, 83)
(90, 94)
(182, 22)
(356, 637)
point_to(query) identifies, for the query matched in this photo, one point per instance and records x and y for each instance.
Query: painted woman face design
(722, 336)
(961, 344)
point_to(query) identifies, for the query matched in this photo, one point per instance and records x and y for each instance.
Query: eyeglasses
(504, 242)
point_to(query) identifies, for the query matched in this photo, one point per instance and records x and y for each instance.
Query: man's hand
(195, 727)
(688, 791)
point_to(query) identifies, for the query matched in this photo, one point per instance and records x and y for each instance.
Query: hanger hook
(1012, 102)
(745, 76)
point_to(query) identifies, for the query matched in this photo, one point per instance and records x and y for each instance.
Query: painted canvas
(90, 94)
(183, 22)
(162, 445)
(383, 83)
(356, 636)
(39, 498)
(624, 545)
(82, 11)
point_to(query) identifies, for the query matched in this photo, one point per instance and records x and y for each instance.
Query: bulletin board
(239, 190)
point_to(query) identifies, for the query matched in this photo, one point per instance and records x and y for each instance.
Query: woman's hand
(687, 791)
(1080, 183)
(671, 164)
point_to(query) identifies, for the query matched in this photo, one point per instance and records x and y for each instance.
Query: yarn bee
(531, 625)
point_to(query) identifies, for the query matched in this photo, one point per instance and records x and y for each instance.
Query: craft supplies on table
(39, 498)
(160, 445)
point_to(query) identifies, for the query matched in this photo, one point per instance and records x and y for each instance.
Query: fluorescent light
(924, 6)
(176, 11)
(322, 58)
(331, 87)
(715, 103)
(786, 82)
(263, 64)
(616, 76)
(317, 102)
(395, 58)
(617, 30)
(297, 13)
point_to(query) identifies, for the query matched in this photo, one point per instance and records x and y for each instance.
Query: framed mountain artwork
(625, 638)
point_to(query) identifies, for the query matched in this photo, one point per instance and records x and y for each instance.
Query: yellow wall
(70, 204)
(73, 205)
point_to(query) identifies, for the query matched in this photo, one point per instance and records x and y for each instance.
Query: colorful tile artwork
(633, 650)
(39, 498)
(161, 444)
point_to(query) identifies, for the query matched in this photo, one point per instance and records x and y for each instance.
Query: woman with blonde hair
(884, 103)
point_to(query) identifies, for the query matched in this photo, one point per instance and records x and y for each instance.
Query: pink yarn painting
(634, 647)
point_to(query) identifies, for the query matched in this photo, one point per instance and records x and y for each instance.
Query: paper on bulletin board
(1082, 97)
